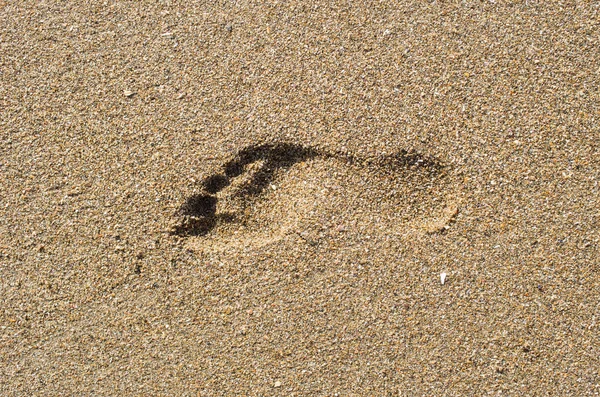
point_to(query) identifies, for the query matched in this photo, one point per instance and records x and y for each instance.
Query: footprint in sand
(269, 191)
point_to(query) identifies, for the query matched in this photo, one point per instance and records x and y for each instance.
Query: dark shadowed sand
(259, 198)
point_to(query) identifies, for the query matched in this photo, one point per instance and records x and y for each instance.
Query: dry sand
(324, 280)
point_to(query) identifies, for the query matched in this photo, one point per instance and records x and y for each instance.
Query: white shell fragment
(443, 278)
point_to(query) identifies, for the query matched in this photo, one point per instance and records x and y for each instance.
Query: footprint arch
(269, 191)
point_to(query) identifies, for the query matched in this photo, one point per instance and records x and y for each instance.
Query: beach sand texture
(259, 198)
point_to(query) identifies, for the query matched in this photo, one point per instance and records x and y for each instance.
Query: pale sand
(328, 279)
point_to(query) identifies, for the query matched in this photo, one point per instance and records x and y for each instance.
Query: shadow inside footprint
(200, 210)
(200, 214)
(274, 157)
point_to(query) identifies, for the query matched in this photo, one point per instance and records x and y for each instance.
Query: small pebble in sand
(278, 384)
(443, 278)
(128, 93)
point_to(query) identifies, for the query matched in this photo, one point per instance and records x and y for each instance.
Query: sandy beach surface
(260, 198)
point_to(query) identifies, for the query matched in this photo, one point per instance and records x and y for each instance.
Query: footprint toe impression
(268, 191)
